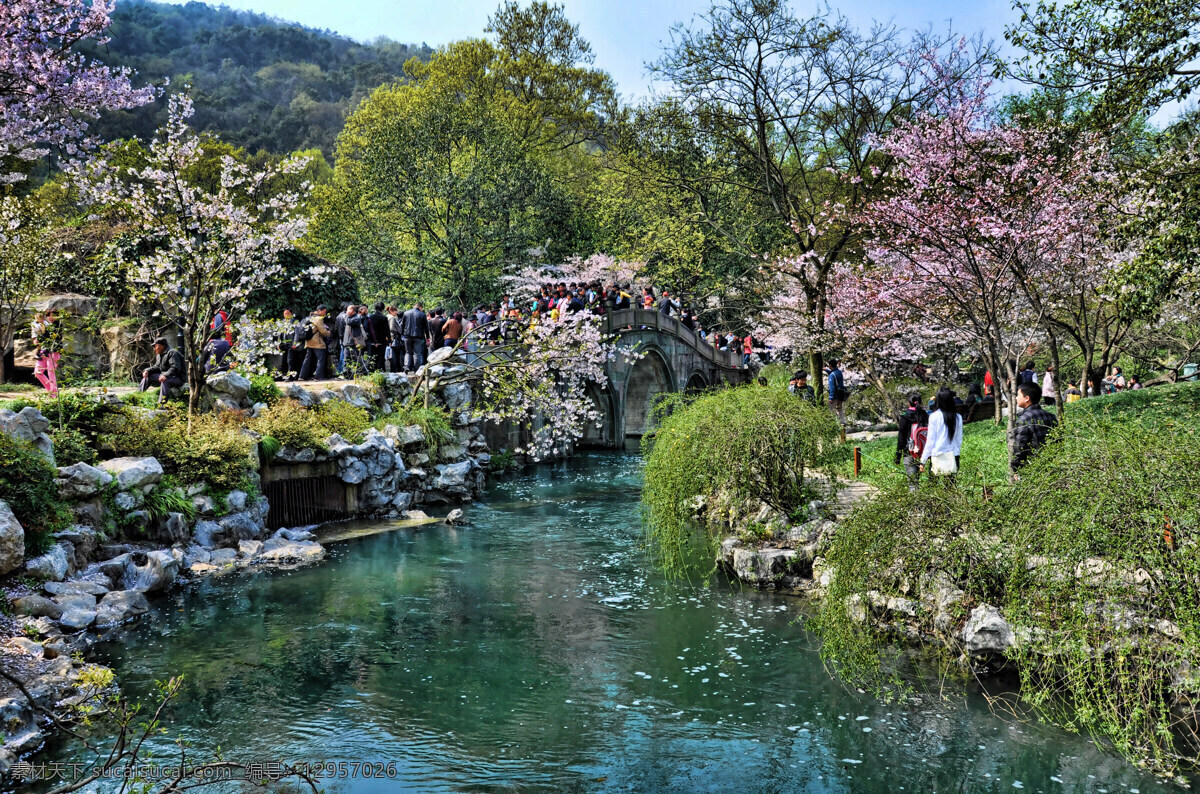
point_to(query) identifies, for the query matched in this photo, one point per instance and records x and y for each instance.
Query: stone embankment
(101, 572)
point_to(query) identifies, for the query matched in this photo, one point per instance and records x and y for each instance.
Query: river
(537, 649)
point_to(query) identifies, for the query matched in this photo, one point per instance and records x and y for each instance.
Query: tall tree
(797, 104)
(26, 249)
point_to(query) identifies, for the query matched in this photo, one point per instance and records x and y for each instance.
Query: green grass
(985, 456)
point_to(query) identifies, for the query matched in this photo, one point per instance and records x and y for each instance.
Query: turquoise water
(535, 649)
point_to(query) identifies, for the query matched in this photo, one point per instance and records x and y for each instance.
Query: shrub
(264, 390)
(217, 451)
(291, 425)
(433, 421)
(169, 498)
(749, 443)
(338, 416)
(27, 484)
(71, 446)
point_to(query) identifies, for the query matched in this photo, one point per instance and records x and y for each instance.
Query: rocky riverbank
(124, 549)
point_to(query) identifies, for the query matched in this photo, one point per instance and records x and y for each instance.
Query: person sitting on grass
(1033, 425)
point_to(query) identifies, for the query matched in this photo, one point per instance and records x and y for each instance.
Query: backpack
(917, 436)
(308, 330)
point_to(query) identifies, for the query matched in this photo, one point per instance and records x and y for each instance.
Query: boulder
(455, 516)
(207, 534)
(12, 540)
(352, 470)
(249, 547)
(223, 557)
(36, 606)
(452, 475)
(174, 529)
(120, 606)
(194, 554)
(290, 455)
(236, 500)
(301, 395)
(282, 551)
(239, 526)
(416, 515)
(77, 618)
(152, 571)
(418, 460)
(402, 501)
(75, 587)
(222, 403)
(356, 396)
(91, 512)
(294, 534)
(986, 631)
(17, 426)
(83, 539)
(25, 646)
(80, 481)
(451, 453)
(45, 445)
(764, 566)
(54, 565)
(127, 501)
(206, 506)
(440, 356)
(457, 396)
(229, 383)
(408, 436)
(133, 473)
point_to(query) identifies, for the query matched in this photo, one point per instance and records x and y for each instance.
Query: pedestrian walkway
(849, 492)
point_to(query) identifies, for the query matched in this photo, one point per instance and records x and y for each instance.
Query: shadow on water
(536, 649)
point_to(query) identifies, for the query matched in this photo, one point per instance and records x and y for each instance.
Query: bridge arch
(606, 434)
(651, 376)
(696, 382)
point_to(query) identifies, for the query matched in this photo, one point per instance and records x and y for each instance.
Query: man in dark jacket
(168, 371)
(435, 323)
(379, 336)
(913, 416)
(1033, 425)
(416, 330)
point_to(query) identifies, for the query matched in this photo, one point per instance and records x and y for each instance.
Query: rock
(223, 557)
(114, 568)
(230, 383)
(76, 601)
(120, 606)
(127, 501)
(440, 356)
(236, 500)
(326, 396)
(91, 512)
(761, 567)
(352, 471)
(36, 606)
(77, 618)
(455, 516)
(25, 646)
(407, 436)
(294, 534)
(355, 395)
(452, 476)
(292, 551)
(207, 534)
(257, 410)
(54, 565)
(986, 631)
(137, 521)
(33, 417)
(133, 472)
(12, 540)
(174, 529)
(249, 547)
(452, 452)
(225, 404)
(418, 460)
(83, 539)
(194, 554)
(239, 526)
(206, 506)
(457, 396)
(158, 570)
(80, 481)
(290, 455)
(75, 587)
(416, 515)
(17, 426)
(402, 501)
(300, 394)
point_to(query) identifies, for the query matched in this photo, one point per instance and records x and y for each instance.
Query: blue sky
(625, 34)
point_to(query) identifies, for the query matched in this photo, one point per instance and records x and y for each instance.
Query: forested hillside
(259, 82)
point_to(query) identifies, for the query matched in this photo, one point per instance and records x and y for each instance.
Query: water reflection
(535, 649)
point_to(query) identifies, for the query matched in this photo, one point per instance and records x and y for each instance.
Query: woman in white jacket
(943, 445)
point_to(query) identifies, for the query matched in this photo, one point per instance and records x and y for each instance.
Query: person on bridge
(667, 304)
(416, 330)
(453, 330)
(747, 350)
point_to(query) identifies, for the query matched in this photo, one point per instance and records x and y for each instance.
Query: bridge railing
(650, 319)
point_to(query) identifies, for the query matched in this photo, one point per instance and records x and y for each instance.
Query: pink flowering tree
(207, 247)
(47, 90)
(599, 268)
(540, 378)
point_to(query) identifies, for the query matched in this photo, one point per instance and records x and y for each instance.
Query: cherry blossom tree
(209, 247)
(26, 247)
(47, 90)
(541, 378)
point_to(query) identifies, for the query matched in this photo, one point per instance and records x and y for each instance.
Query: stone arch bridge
(676, 360)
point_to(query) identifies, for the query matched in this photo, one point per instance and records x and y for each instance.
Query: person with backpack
(943, 442)
(912, 436)
(837, 390)
(314, 334)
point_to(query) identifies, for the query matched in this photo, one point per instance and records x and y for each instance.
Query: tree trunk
(1059, 396)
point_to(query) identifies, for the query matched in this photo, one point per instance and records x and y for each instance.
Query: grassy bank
(1092, 558)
